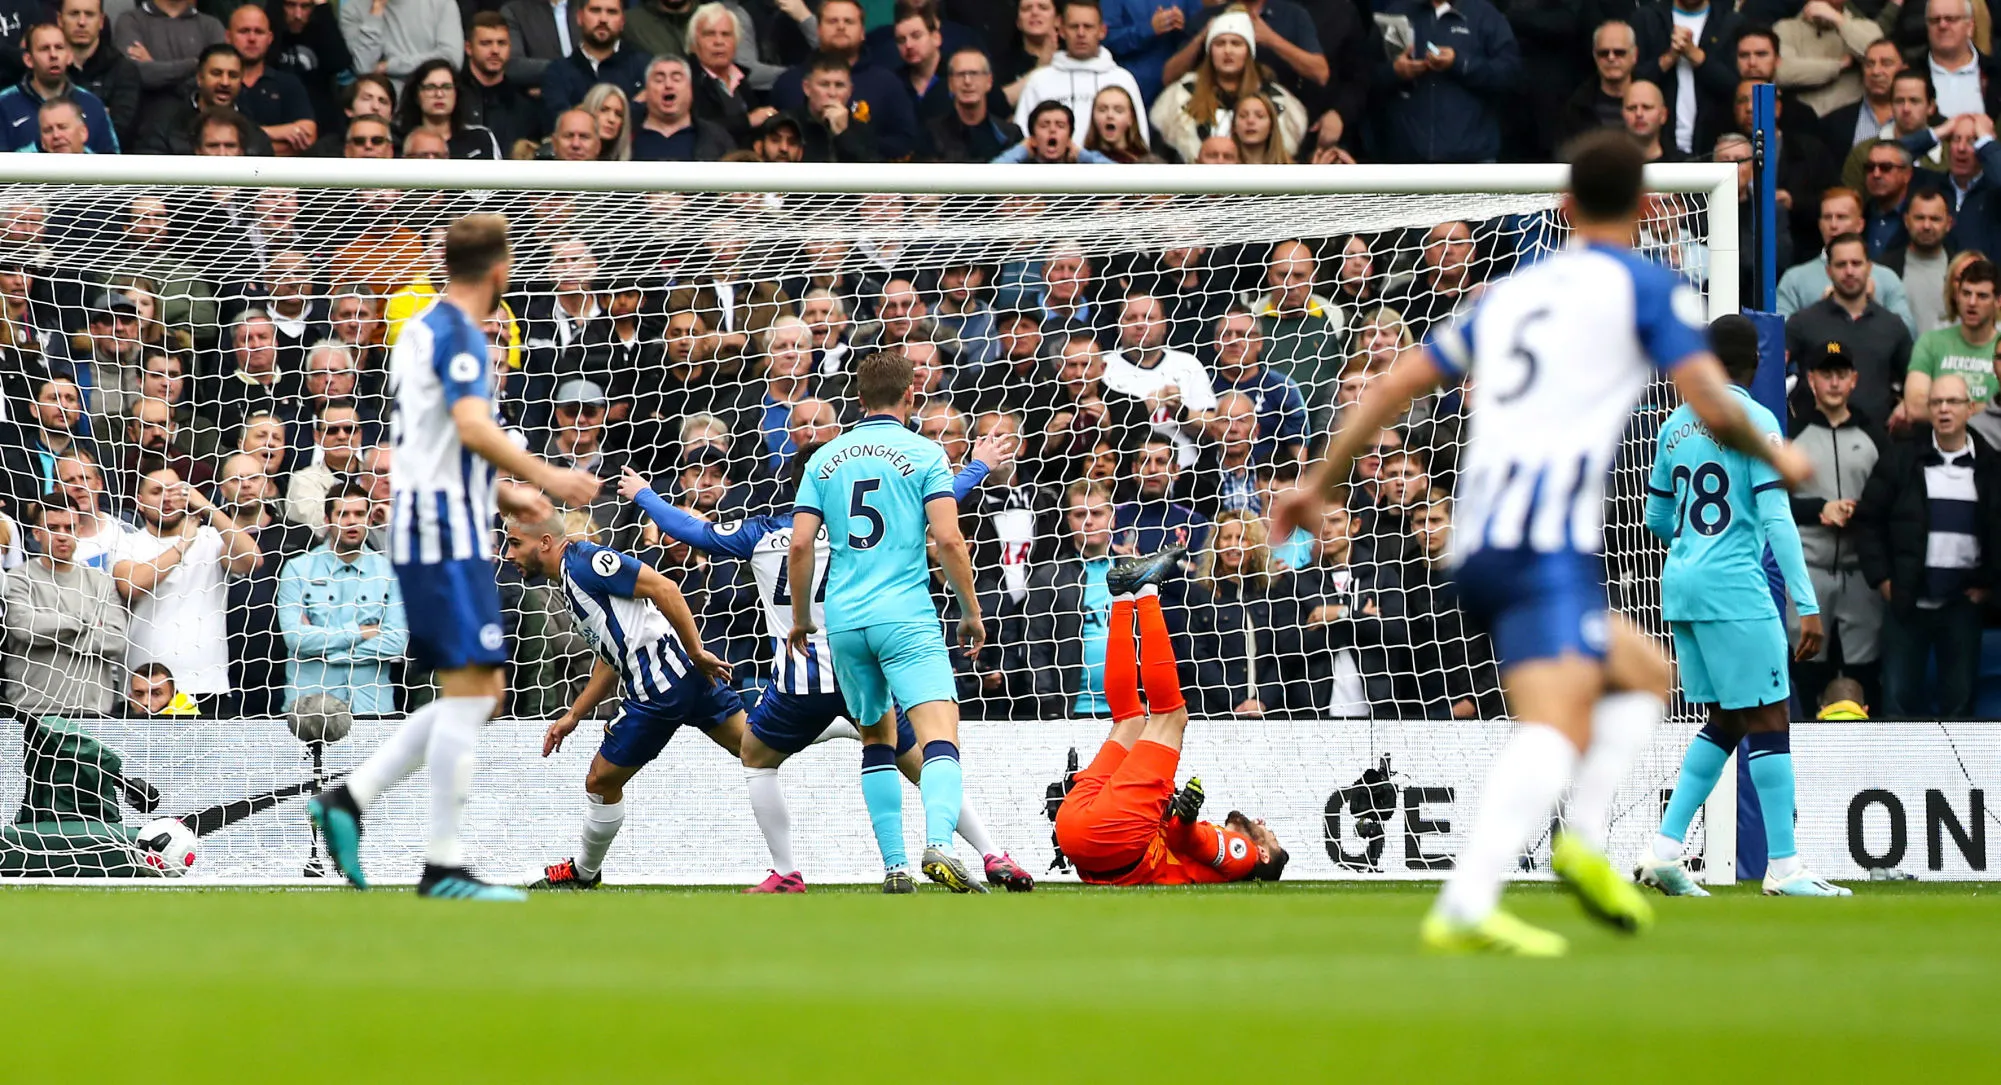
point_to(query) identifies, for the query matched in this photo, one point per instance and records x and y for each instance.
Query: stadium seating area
(198, 378)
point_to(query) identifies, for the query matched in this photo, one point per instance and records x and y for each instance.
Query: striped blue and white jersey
(627, 632)
(442, 493)
(1558, 354)
(766, 543)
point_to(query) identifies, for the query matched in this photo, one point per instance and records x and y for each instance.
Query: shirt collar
(1961, 458)
(1971, 66)
(880, 419)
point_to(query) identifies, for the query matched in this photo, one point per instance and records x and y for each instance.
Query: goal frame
(1717, 181)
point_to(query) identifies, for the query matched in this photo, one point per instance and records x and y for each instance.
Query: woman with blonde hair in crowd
(1115, 128)
(1254, 126)
(608, 104)
(1201, 104)
(1374, 340)
(1230, 618)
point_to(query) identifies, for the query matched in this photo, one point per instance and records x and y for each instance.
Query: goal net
(195, 392)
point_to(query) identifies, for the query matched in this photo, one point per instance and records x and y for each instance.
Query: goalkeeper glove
(1186, 805)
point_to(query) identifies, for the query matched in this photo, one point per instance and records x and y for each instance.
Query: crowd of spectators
(196, 481)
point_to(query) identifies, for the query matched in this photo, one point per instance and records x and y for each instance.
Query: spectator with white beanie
(1203, 103)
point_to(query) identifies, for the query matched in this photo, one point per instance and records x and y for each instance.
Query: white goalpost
(229, 320)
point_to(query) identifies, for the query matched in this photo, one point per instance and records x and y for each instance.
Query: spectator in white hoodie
(1076, 74)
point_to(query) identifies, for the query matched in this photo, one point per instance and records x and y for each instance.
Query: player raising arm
(442, 510)
(876, 488)
(647, 647)
(1561, 351)
(1720, 513)
(803, 705)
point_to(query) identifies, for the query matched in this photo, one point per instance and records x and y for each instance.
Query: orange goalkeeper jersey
(1199, 854)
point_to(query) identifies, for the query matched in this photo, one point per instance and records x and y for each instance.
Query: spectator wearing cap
(1461, 62)
(702, 479)
(837, 128)
(1049, 141)
(969, 131)
(1872, 341)
(49, 59)
(65, 625)
(337, 456)
(1844, 444)
(341, 613)
(671, 132)
(600, 55)
(780, 137)
(1201, 105)
(112, 347)
(1966, 348)
(1279, 404)
(1076, 74)
(879, 99)
(1928, 533)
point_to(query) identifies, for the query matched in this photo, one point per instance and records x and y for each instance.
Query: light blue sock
(943, 785)
(1701, 767)
(1771, 764)
(882, 790)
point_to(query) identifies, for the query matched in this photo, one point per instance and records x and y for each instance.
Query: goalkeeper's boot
(1132, 574)
(1499, 933)
(457, 883)
(1669, 876)
(338, 821)
(565, 875)
(898, 882)
(1802, 883)
(1003, 871)
(780, 883)
(1605, 895)
(943, 867)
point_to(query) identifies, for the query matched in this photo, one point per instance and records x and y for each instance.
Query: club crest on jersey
(1594, 632)
(465, 368)
(490, 637)
(604, 563)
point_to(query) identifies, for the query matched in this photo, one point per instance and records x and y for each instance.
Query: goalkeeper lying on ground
(1123, 822)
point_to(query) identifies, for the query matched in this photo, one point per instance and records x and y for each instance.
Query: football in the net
(168, 846)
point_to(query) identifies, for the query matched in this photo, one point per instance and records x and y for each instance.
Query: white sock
(774, 820)
(602, 821)
(394, 760)
(1666, 848)
(453, 754)
(974, 830)
(1527, 778)
(839, 729)
(1781, 869)
(1621, 727)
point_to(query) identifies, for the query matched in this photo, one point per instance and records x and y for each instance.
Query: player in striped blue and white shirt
(649, 652)
(445, 489)
(1559, 353)
(804, 699)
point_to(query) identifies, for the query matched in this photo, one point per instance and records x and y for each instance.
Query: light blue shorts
(882, 665)
(1736, 664)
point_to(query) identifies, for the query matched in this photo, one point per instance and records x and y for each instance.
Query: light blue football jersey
(869, 486)
(1705, 500)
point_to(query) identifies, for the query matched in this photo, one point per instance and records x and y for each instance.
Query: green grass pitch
(1293, 983)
